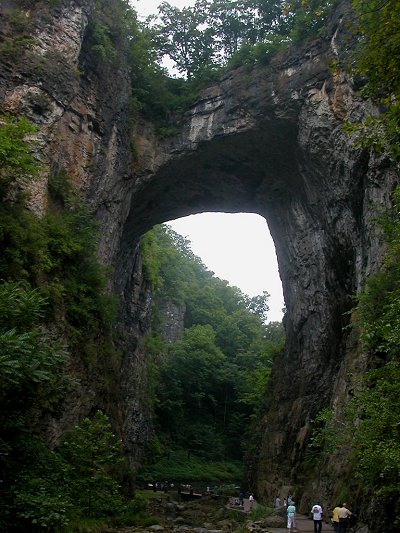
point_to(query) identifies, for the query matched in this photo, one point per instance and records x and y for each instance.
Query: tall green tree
(306, 18)
(275, 17)
(92, 450)
(185, 37)
(190, 379)
(233, 23)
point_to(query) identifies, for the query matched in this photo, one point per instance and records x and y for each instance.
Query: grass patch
(87, 525)
(136, 512)
(178, 466)
(259, 512)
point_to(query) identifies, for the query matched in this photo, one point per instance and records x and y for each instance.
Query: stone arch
(270, 141)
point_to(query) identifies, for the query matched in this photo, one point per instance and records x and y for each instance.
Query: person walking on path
(251, 502)
(241, 499)
(277, 502)
(344, 515)
(316, 511)
(291, 516)
(335, 519)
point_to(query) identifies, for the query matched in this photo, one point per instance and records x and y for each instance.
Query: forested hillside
(208, 386)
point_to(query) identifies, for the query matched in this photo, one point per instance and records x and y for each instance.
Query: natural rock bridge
(267, 140)
(270, 140)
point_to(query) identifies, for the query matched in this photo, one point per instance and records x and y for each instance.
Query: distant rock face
(266, 140)
(171, 320)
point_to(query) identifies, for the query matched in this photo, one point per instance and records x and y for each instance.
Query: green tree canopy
(211, 380)
(377, 61)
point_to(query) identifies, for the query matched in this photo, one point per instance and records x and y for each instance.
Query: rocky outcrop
(81, 104)
(171, 320)
(267, 140)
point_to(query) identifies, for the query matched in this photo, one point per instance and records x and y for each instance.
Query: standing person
(251, 501)
(241, 498)
(291, 516)
(335, 519)
(289, 499)
(344, 515)
(284, 502)
(317, 517)
(277, 502)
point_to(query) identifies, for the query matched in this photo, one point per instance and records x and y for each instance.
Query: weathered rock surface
(267, 140)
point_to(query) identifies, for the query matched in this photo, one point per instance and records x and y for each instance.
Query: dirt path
(304, 525)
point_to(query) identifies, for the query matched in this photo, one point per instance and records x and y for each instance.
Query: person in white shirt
(251, 502)
(316, 511)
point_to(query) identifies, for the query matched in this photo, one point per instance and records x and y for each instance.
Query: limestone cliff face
(267, 140)
(171, 318)
(81, 104)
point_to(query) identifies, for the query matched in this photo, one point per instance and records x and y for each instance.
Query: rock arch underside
(267, 140)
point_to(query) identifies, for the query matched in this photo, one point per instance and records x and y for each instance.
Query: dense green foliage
(48, 272)
(369, 428)
(377, 438)
(31, 378)
(210, 33)
(201, 41)
(209, 384)
(180, 465)
(60, 486)
(377, 60)
(91, 450)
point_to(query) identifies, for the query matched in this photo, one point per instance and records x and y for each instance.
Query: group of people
(340, 518)
(240, 500)
(340, 515)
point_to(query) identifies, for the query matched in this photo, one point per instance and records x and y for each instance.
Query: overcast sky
(148, 7)
(237, 248)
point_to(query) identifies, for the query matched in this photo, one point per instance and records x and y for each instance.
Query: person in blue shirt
(291, 516)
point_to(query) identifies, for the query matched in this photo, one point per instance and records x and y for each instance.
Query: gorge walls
(268, 140)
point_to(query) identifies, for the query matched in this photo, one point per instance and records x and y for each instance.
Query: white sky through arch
(236, 247)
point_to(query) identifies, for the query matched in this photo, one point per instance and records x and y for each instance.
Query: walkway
(304, 525)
